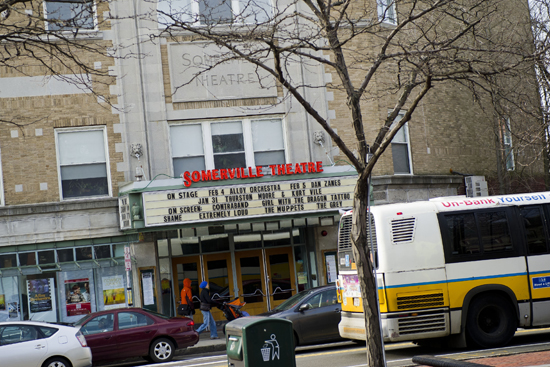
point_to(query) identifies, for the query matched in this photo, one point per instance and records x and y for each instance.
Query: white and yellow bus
(471, 269)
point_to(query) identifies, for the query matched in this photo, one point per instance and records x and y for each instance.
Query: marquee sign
(248, 200)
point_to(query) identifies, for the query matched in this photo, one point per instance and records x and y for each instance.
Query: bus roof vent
(402, 230)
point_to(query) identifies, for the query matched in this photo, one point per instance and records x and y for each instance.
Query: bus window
(495, 235)
(535, 232)
(463, 234)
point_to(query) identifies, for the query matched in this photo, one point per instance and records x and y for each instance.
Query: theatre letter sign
(263, 199)
(201, 71)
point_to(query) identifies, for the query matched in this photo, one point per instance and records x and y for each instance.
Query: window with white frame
(66, 15)
(507, 143)
(83, 163)
(212, 12)
(386, 11)
(227, 144)
(401, 150)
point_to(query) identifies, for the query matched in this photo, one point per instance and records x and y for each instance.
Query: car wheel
(56, 362)
(491, 321)
(295, 340)
(162, 350)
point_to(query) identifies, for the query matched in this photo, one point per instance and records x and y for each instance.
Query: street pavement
(500, 358)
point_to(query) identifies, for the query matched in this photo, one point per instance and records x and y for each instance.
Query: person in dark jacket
(206, 303)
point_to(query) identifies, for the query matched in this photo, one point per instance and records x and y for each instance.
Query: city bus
(471, 270)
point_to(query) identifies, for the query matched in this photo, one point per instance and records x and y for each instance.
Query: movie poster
(2, 302)
(113, 292)
(40, 298)
(78, 297)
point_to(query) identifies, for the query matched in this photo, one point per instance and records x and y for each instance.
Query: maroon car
(136, 332)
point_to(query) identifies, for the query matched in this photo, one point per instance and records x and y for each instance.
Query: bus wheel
(491, 321)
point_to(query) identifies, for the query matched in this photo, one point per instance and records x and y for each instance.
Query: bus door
(538, 260)
(219, 273)
(250, 278)
(188, 267)
(281, 282)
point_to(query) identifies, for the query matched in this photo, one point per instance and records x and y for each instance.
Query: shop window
(400, 148)
(215, 243)
(83, 163)
(65, 255)
(185, 246)
(247, 241)
(277, 239)
(27, 258)
(8, 261)
(66, 15)
(46, 257)
(102, 252)
(212, 12)
(386, 11)
(83, 253)
(232, 144)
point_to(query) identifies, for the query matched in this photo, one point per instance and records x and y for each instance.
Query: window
(98, 324)
(231, 144)
(400, 148)
(69, 14)
(386, 11)
(507, 143)
(82, 158)
(476, 235)
(323, 299)
(128, 320)
(12, 334)
(535, 230)
(212, 12)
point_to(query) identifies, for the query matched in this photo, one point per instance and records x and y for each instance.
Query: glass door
(219, 273)
(188, 267)
(280, 270)
(250, 278)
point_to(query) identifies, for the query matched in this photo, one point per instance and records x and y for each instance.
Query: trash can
(260, 342)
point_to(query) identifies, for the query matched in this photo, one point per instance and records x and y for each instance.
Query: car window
(99, 324)
(47, 331)
(323, 299)
(128, 320)
(12, 334)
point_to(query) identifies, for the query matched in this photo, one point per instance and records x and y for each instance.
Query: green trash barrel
(257, 341)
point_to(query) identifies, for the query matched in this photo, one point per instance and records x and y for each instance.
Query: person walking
(186, 308)
(206, 303)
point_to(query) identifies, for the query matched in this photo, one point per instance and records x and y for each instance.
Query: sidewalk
(528, 359)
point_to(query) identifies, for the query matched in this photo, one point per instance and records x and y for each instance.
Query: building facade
(218, 178)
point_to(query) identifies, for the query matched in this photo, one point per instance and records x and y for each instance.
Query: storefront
(62, 281)
(252, 237)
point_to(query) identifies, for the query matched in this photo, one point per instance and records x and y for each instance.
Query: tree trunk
(362, 255)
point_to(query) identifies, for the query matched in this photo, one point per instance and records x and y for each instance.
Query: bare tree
(540, 14)
(55, 40)
(395, 51)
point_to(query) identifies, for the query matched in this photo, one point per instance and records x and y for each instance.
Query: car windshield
(293, 301)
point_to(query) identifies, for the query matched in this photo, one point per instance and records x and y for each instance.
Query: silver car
(40, 344)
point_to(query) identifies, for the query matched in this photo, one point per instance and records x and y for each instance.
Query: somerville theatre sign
(249, 200)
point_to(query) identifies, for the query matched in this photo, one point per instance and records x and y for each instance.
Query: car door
(135, 332)
(320, 321)
(101, 336)
(20, 346)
